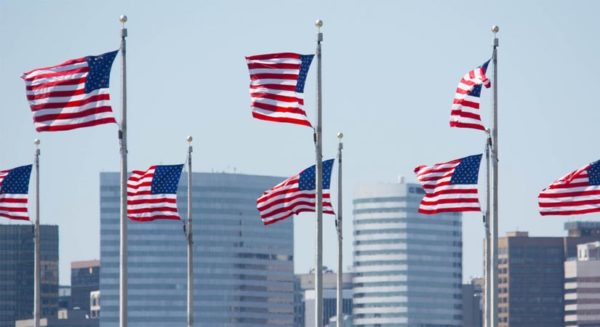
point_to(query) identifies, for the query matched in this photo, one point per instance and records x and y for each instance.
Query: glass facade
(16, 271)
(243, 271)
(407, 266)
(85, 278)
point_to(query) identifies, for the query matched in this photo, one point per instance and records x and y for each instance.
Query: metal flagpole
(488, 250)
(123, 222)
(494, 286)
(340, 282)
(319, 188)
(36, 241)
(190, 242)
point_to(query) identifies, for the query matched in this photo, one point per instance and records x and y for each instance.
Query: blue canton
(306, 60)
(308, 175)
(594, 173)
(166, 179)
(16, 181)
(476, 91)
(467, 170)
(99, 74)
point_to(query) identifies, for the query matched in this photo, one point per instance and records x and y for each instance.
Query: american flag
(277, 86)
(152, 194)
(465, 107)
(450, 186)
(71, 95)
(14, 186)
(576, 193)
(295, 195)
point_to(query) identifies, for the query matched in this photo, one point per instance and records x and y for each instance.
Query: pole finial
(495, 29)
(123, 19)
(319, 24)
(189, 139)
(36, 142)
(340, 135)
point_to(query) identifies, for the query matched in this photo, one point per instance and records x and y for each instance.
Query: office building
(64, 297)
(85, 278)
(531, 275)
(95, 305)
(582, 291)
(407, 266)
(63, 318)
(16, 271)
(306, 284)
(243, 270)
(472, 304)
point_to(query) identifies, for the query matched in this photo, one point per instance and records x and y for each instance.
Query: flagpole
(123, 218)
(340, 281)
(488, 250)
(190, 242)
(319, 188)
(494, 286)
(36, 240)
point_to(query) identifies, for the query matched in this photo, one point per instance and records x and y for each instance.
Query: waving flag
(277, 86)
(71, 95)
(14, 187)
(295, 195)
(450, 186)
(576, 193)
(152, 194)
(465, 107)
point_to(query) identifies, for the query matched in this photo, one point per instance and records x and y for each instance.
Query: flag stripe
(465, 106)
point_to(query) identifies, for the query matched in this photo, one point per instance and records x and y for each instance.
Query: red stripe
(465, 114)
(568, 203)
(57, 83)
(466, 125)
(277, 97)
(55, 94)
(75, 126)
(273, 108)
(150, 201)
(150, 210)
(288, 199)
(278, 87)
(569, 212)
(292, 77)
(278, 191)
(70, 104)
(84, 69)
(466, 103)
(152, 218)
(269, 222)
(13, 209)
(13, 217)
(435, 211)
(452, 191)
(282, 119)
(256, 65)
(568, 194)
(279, 55)
(449, 201)
(570, 185)
(73, 115)
(12, 200)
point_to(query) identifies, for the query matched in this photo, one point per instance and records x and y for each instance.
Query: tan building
(582, 287)
(531, 275)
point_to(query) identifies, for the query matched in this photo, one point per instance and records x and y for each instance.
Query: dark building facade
(531, 275)
(16, 272)
(85, 278)
(472, 305)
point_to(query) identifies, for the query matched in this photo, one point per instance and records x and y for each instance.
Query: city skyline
(404, 60)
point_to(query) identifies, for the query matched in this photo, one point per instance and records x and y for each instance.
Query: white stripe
(276, 114)
(56, 88)
(75, 121)
(279, 81)
(56, 69)
(283, 60)
(68, 110)
(55, 79)
(277, 103)
(54, 99)
(275, 92)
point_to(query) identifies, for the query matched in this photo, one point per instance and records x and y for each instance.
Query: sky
(390, 69)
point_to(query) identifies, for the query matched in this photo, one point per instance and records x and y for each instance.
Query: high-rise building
(306, 286)
(407, 266)
(472, 304)
(531, 275)
(16, 272)
(85, 278)
(243, 270)
(582, 294)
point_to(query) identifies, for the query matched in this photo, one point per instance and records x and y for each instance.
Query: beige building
(582, 287)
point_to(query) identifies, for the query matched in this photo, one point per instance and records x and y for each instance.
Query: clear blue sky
(390, 69)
